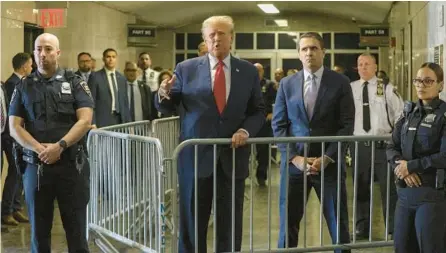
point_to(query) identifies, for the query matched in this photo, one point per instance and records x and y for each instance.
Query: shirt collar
(434, 103)
(85, 73)
(213, 61)
(109, 71)
(133, 83)
(18, 75)
(372, 80)
(318, 73)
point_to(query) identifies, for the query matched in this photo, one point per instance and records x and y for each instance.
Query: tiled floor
(17, 240)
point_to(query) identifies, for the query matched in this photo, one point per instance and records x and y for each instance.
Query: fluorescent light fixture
(268, 8)
(281, 22)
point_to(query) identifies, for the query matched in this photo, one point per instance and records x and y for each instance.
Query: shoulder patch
(84, 86)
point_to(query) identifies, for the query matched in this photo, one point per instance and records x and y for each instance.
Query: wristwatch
(63, 145)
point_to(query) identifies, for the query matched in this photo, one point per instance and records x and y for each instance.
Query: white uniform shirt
(377, 104)
(151, 78)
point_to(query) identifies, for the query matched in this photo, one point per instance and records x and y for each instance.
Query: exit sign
(52, 18)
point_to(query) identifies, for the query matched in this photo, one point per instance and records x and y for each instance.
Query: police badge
(430, 118)
(65, 88)
(380, 89)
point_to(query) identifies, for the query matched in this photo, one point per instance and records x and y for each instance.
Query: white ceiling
(177, 14)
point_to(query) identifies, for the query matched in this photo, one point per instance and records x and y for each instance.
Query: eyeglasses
(423, 83)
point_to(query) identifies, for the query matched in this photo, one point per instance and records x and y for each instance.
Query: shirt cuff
(160, 96)
(413, 166)
(246, 132)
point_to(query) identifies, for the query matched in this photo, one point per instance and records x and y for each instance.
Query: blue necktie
(310, 95)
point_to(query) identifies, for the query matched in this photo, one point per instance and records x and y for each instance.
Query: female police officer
(418, 153)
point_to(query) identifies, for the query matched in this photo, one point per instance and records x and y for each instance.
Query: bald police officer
(50, 112)
(378, 107)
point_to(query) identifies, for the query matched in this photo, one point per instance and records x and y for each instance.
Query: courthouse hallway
(17, 240)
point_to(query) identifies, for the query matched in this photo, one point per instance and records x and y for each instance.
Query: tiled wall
(91, 27)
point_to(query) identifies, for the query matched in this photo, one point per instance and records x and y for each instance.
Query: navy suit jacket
(334, 115)
(10, 84)
(199, 116)
(100, 91)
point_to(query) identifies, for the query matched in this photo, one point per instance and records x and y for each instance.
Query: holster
(17, 153)
(30, 157)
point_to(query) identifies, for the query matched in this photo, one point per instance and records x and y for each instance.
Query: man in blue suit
(313, 102)
(218, 97)
(109, 90)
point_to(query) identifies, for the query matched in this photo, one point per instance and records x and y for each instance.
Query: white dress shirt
(85, 75)
(110, 85)
(152, 77)
(18, 75)
(138, 101)
(377, 104)
(213, 62)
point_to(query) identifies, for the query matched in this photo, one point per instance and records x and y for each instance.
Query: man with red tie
(218, 97)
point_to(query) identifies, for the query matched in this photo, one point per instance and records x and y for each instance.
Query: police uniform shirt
(46, 105)
(110, 85)
(151, 78)
(377, 104)
(137, 99)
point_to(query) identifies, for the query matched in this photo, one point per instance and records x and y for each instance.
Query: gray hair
(218, 19)
(367, 54)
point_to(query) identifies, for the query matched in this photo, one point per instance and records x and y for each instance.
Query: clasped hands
(314, 164)
(49, 153)
(402, 173)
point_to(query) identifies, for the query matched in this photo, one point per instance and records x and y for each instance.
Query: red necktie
(220, 87)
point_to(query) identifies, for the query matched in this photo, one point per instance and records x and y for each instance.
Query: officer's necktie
(115, 92)
(310, 95)
(220, 87)
(132, 101)
(365, 108)
(144, 77)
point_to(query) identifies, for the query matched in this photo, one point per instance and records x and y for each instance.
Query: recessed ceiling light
(268, 8)
(281, 22)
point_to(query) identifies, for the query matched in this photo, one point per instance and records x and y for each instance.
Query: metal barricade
(260, 236)
(167, 130)
(140, 128)
(126, 200)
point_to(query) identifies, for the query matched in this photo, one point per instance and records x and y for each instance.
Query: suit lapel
(320, 93)
(300, 94)
(205, 80)
(104, 76)
(235, 75)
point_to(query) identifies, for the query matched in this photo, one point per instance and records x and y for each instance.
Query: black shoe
(261, 182)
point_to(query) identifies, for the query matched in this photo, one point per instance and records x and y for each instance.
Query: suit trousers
(12, 190)
(223, 211)
(363, 183)
(263, 156)
(420, 221)
(296, 206)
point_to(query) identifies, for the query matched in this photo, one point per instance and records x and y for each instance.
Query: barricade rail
(285, 144)
(126, 200)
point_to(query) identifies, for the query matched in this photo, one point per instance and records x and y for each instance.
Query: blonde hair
(218, 19)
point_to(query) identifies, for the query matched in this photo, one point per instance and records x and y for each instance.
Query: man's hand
(239, 139)
(401, 170)
(413, 180)
(93, 126)
(316, 165)
(165, 87)
(269, 117)
(51, 153)
(299, 162)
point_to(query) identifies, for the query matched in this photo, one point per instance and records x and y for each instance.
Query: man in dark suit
(139, 94)
(84, 63)
(11, 204)
(22, 65)
(109, 90)
(219, 97)
(313, 102)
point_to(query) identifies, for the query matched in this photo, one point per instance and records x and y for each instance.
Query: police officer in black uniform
(418, 153)
(50, 112)
(269, 96)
